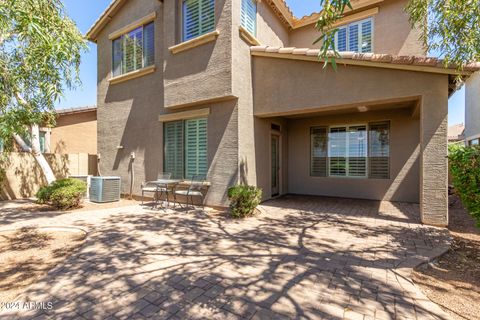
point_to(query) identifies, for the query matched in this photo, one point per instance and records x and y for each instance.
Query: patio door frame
(278, 136)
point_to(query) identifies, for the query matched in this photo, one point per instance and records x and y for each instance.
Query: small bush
(243, 200)
(62, 194)
(464, 163)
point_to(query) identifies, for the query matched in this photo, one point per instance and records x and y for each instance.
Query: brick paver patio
(302, 258)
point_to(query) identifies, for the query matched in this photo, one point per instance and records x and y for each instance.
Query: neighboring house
(456, 133)
(472, 110)
(75, 131)
(229, 88)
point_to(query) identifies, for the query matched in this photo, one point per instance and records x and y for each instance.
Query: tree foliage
(464, 163)
(40, 50)
(448, 28)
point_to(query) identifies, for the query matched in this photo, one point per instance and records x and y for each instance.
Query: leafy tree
(450, 28)
(464, 167)
(40, 49)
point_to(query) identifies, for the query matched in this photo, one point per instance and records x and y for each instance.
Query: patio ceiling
(411, 104)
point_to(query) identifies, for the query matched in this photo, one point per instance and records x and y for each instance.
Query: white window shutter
(248, 17)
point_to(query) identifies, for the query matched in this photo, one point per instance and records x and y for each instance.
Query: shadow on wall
(59, 147)
(134, 126)
(24, 176)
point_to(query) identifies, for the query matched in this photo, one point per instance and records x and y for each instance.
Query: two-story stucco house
(234, 89)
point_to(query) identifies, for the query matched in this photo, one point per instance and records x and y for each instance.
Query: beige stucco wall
(204, 72)
(128, 112)
(270, 30)
(75, 133)
(24, 177)
(392, 31)
(472, 107)
(404, 181)
(276, 94)
(320, 89)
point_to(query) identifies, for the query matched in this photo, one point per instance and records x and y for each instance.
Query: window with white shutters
(379, 150)
(358, 151)
(185, 148)
(356, 36)
(195, 147)
(319, 151)
(248, 16)
(134, 50)
(198, 18)
(337, 151)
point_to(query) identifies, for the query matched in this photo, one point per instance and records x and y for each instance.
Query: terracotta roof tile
(419, 61)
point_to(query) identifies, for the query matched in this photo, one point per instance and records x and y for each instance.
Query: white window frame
(359, 23)
(347, 156)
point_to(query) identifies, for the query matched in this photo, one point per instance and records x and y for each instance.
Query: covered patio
(372, 129)
(303, 257)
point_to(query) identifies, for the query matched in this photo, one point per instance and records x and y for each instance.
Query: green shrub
(243, 200)
(62, 194)
(464, 163)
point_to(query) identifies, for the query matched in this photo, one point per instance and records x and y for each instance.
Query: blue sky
(85, 12)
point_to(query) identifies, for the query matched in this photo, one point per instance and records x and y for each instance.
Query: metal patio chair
(194, 190)
(153, 187)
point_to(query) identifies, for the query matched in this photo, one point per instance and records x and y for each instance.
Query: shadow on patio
(305, 258)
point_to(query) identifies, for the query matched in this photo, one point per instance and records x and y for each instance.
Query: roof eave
(103, 20)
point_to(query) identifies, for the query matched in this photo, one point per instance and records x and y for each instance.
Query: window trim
(138, 72)
(184, 164)
(132, 74)
(359, 23)
(367, 167)
(195, 42)
(182, 28)
(137, 23)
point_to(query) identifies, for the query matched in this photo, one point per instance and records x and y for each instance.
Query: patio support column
(434, 163)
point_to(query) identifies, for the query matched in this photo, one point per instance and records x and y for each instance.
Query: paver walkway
(303, 258)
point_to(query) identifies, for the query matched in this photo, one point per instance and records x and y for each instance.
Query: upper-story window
(198, 18)
(248, 16)
(356, 36)
(134, 50)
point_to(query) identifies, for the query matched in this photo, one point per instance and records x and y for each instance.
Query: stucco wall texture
(75, 133)
(472, 107)
(352, 86)
(245, 95)
(392, 31)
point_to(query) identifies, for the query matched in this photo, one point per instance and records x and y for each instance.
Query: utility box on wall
(105, 189)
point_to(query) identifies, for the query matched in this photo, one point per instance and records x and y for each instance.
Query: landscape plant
(62, 194)
(244, 199)
(464, 164)
(40, 50)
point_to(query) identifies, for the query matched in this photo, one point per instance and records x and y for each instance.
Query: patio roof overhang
(387, 61)
(409, 104)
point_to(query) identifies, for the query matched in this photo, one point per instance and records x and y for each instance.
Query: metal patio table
(169, 185)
